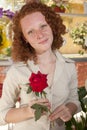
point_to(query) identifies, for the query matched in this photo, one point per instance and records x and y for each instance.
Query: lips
(43, 42)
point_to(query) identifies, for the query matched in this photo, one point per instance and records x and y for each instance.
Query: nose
(39, 34)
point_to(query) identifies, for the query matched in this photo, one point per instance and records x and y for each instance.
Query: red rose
(60, 9)
(38, 82)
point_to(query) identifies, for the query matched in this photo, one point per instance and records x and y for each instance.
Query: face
(37, 32)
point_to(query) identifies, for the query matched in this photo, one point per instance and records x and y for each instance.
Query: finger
(59, 112)
(47, 104)
(56, 113)
(42, 101)
(54, 116)
(32, 102)
(65, 117)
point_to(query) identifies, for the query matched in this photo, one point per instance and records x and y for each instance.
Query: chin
(43, 51)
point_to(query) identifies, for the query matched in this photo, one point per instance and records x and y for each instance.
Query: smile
(43, 42)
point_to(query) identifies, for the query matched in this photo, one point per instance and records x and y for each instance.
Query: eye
(30, 32)
(43, 26)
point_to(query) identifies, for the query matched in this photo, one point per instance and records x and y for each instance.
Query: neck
(46, 57)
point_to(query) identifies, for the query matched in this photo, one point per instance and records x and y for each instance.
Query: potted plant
(79, 121)
(79, 34)
(60, 6)
(5, 40)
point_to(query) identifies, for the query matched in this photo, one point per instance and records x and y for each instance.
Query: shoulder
(15, 67)
(68, 60)
(61, 58)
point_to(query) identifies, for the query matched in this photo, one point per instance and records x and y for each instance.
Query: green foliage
(80, 124)
(82, 93)
(29, 90)
(39, 109)
(8, 51)
(1, 39)
(79, 34)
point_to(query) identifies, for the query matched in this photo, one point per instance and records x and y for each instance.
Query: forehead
(30, 18)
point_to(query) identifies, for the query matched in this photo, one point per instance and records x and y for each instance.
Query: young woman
(37, 37)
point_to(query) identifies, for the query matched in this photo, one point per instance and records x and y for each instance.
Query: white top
(62, 91)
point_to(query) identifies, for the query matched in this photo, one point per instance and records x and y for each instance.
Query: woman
(37, 37)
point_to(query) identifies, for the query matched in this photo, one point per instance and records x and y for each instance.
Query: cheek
(30, 40)
(32, 43)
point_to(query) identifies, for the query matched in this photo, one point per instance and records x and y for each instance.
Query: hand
(42, 101)
(62, 112)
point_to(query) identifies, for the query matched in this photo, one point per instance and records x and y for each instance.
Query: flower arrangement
(1, 39)
(59, 6)
(37, 84)
(5, 41)
(79, 34)
(79, 121)
(7, 13)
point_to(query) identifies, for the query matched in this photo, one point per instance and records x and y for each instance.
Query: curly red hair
(21, 51)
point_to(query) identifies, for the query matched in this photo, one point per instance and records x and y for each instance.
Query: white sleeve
(73, 86)
(9, 95)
